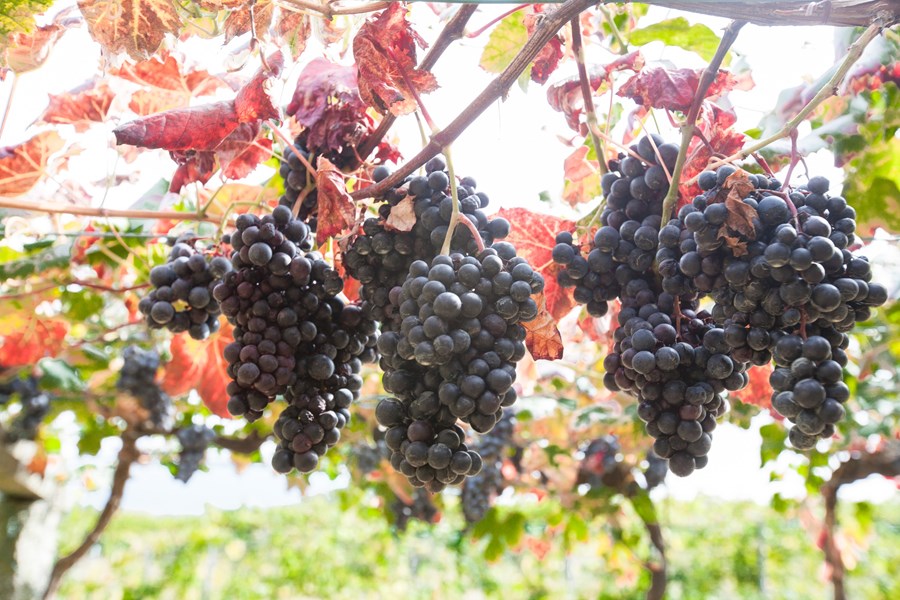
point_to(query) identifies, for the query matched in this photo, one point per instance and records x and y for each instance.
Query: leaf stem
(828, 89)
(497, 88)
(689, 127)
(587, 94)
(9, 101)
(495, 20)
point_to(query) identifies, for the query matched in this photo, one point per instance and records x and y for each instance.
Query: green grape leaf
(503, 44)
(678, 32)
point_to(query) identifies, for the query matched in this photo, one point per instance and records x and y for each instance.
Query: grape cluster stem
(689, 127)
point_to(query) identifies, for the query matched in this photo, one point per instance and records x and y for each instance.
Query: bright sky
(513, 150)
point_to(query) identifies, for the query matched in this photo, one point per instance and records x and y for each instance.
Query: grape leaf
(566, 96)
(716, 125)
(385, 53)
(200, 365)
(504, 43)
(672, 89)
(165, 85)
(22, 166)
(740, 214)
(192, 166)
(678, 32)
(542, 338)
(26, 51)
(239, 21)
(758, 392)
(243, 150)
(337, 213)
(24, 341)
(533, 234)
(134, 26)
(79, 107)
(548, 58)
(292, 29)
(403, 216)
(327, 102)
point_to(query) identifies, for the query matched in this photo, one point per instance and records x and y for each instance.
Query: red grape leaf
(758, 392)
(135, 26)
(740, 214)
(22, 166)
(672, 89)
(716, 125)
(292, 29)
(582, 190)
(192, 166)
(385, 53)
(24, 343)
(243, 150)
(238, 22)
(351, 285)
(80, 107)
(534, 234)
(337, 213)
(200, 365)
(576, 166)
(327, 102)
(566, 97)
(542, 338)
(203, 127)
(403, 216)
(548, 58)
(24, 52)
(165, 85)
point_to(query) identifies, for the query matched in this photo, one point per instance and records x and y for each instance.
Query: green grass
(716, 550)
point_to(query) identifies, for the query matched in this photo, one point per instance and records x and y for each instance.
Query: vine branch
(689, 127)
(90, 211)
(828, 89)
(127, 456)
(884, 462)
(497, 88)
(587, 94)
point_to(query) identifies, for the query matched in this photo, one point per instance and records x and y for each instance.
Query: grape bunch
(624, 247)
(785, 278)
(138, 378)
(34, 407)
(267, 296)
(181, 299)
(380, 257)
(453, 358)
(194, 441)
(667, 354)
(327, 383)
(299, 185)
(602, 465)
(479, 490)
(657, 467)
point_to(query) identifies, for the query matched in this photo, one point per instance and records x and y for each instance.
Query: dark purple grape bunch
(299, 184)
(624, 247)
(138, 378)
(380, 257)
(430, 453)
(273, 296)
(182, 295)
(421, 508)
(194, 441)
(678, 377)
(34, 407)
(479, 490)
(326, 384)
(808, 387)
